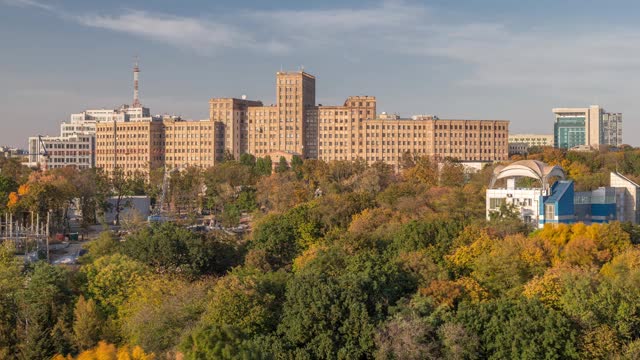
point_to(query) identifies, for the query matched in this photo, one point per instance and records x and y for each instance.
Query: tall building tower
(136, 74)
(295, 93)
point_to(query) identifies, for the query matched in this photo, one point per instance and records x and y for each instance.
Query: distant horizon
(500, 60)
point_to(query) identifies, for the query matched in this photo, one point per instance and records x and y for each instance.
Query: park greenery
(344, 260)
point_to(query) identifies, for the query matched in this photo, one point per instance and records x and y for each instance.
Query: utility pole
(115, 147)
(47, 234)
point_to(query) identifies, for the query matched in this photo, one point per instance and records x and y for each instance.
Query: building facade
(135, 147)
(75, 150)
(138, 143)
(284, 126)
(586, 127)
(555, 202)
(532, 139)
(231, 118)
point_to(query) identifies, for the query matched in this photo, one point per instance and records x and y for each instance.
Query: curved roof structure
(528, 168)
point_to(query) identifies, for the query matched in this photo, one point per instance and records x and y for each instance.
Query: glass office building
(586, 128)
(570, 131)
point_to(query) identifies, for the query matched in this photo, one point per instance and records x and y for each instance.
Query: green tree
(170, 247)
(11, 280)
(219, 342)
(87, 324)
(282, 165)
(161, 310)
(111, 279)
(264, 166)
(334, 303)
(296, 165)
(247, 159)
(519, 329)
(44, 313)
(250, 301)
(7, 186)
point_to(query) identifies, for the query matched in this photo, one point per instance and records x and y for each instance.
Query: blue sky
(483, 59)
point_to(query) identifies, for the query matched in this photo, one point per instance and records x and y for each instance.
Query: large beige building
(295, 125)
(231, 118)
(284, 126)
(350, 132)
(143, 146)
(135, 147)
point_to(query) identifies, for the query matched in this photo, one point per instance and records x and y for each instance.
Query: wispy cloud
(29, 3)
(493, 53)
(200, 35)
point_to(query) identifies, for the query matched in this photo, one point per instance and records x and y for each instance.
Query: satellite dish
(244, 97)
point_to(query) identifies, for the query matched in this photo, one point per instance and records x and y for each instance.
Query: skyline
(486, 64)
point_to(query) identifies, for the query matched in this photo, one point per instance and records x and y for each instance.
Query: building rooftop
(533, 169)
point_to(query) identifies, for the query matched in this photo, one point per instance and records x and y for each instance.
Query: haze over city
(477, 60)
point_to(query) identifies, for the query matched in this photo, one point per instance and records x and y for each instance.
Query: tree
(264, 166)
(170, 247)
(107, 351)
(334, 302)
(111, 279)
(123, 186)
(407, 337)
(247, 159)
(11, 280)
(452, 174)
(44, 313)
(185, 189)
(7, 186)
(282, 165)
(219, 342)
(161, 310)
(249, 301)
(457, 342)
(425, 171)
(281, 191)
(519, 329)
(105, 244)
(87, 324)
(296, 165)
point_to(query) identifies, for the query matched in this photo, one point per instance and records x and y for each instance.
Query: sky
(469, 59)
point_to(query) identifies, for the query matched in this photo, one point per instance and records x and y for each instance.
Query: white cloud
(491, 53)
(200, 35)
(29, 3)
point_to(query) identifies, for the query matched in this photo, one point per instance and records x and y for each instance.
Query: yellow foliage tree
(303, 259)
(547, 288)
(106, 351)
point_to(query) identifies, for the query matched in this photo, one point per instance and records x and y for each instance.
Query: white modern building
(73, 150)
(548, 201)
(524, 200)
(631, 190)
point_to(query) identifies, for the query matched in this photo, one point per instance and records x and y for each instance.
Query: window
(495, 203)
(549, 211)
